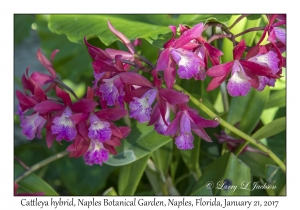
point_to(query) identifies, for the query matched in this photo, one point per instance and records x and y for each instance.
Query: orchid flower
(244, 73)
(175, 52)
(186, 121)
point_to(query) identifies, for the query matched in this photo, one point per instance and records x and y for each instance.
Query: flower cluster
(88, 122)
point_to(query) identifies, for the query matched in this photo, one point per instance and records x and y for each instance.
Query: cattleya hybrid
(121, 88)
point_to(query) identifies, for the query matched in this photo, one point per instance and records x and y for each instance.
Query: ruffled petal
(188, 63)
(189, 35)
(64, 127)
(140, 108)
(238, 85)
(96, 154)
(185, 141)
(99, 130)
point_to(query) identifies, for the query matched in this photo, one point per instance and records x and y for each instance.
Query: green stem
(240, 148)
(232, 128)
(41, 164)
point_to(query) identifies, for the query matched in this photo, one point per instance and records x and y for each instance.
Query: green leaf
(191, 158)
(110, 192)
(32, 183)
(275, 178)
(153, 178)
(277, 99)
(254, 17)
(221, 18)
(82, 179)
(254, 109)
(22, 26)
(162, 158)
(149, 27)
(130, 176)
(72, 61)
(237, 108)
(141, 141)
(277, 143)
(250, 37)
(257, 163)
(226, 171)
(76, 27)
(271, 129)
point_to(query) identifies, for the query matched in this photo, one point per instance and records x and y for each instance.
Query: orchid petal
(122, 37)
(173, 127)
(154, 115)
(96, 52)
(163, 60)
(84, 105)
(125, 130)
(258, 69)
(25, 100)
(189, 35)
(201, 122)
(47, 106)
(173, 96)
(170, 74)
(131, 78)
(101, 66)
(124, 55)
(239, 50)
(64, 96)
(78, 117)
(214, 54)
(41, 78)
(201, 133)
(111, 114)
(185, 141)
(238, 85)
(49, 138)
(39, 93)
(188, 63)
(46, 63)
(219, 70)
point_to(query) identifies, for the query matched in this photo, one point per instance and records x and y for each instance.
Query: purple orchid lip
(238, 84)
(188, 63)
(109, 91)
(99, 130)
(140, 108)
(64, 127)
(32, 126)
(96, 154)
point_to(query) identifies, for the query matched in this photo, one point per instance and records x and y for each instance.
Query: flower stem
(233, 129)
(66, 87)
(250, 30)
(145, 60)
(41, 164)
(236, 22)
(22, 163)
(218, 36)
